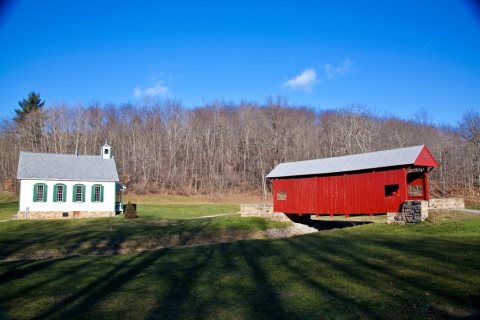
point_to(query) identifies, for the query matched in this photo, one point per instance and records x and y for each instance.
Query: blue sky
(393, 57)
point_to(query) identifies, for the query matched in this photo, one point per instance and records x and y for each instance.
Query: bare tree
(160, 146)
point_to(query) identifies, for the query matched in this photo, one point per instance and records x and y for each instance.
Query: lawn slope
(427, 271)
(159, 226)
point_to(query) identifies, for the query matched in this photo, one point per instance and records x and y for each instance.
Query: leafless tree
(161, 146)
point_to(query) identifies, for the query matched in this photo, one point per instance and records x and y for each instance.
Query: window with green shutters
(40, 192)
(59, 193)
(78, 193)
(97, 193)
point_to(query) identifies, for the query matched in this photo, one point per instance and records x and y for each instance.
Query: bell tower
(106, 151)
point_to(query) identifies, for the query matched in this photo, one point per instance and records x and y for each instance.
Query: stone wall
(263, 211)
(412, 212)
(447, 203)
(59, 215)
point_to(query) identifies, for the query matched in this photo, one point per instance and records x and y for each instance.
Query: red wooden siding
(348, 193)
(426, 159)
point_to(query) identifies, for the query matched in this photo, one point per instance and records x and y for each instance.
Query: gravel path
(469, 210)
(295, 230)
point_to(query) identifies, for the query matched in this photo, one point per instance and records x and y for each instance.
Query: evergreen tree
(27, 106)
(29, 121)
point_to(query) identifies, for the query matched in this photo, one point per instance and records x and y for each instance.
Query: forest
(223, 148)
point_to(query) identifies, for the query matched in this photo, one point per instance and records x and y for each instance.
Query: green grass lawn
(370, 271)
(426, 271)
(8, 206)
(185, 211)
(159, 226)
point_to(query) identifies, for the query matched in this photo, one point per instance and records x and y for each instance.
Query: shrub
(130, 211)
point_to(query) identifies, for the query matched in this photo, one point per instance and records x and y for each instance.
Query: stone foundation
(262, 211)
(59, 214)
(412, 212)
(447, 203)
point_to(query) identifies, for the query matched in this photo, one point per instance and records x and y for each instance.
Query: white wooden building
(60, 186)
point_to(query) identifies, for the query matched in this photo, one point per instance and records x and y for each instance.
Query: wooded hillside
(224, 148)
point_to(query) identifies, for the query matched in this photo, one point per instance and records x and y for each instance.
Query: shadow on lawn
(321, 225)
(341, 276)
(47, 239)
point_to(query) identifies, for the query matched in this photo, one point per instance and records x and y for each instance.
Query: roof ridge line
(354, 154)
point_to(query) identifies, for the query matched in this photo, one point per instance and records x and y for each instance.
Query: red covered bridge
(367, 183)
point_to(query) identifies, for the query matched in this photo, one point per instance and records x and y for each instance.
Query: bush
(130, 211)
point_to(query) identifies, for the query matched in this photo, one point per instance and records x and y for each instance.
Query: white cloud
(303, 81)
(137, 92)
(153, 91)
(331, 71)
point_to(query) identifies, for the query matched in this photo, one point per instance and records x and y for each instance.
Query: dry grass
(438, 216)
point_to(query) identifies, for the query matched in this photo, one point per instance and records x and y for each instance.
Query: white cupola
(106, 151)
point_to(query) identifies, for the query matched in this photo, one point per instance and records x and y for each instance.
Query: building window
(40, 192)
(391, 190)
(65, 214)
(281, 195)
(105, 151)
(97, 193)
(415, 191)
(60, 193)
(78, 194)
(96, 196)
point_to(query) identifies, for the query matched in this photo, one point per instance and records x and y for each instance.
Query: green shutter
(35, 192)
(82, 193)
(44, 193)
(55, 191)
(93, 192)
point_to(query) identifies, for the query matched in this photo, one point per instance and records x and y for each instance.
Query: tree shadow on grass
(415, 286)
(18, 270)
(94, 292)
(177, 299)
(44, 239)
(315, 276)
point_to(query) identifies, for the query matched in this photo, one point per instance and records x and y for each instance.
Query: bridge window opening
(391, 190)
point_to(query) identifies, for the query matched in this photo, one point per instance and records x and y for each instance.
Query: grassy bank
(110, 269)
(371, 271)
(158, 226)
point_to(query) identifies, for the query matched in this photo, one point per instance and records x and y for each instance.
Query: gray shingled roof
(51, 166)
(363, 161)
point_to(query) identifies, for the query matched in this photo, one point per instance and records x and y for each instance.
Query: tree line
(220, 148)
